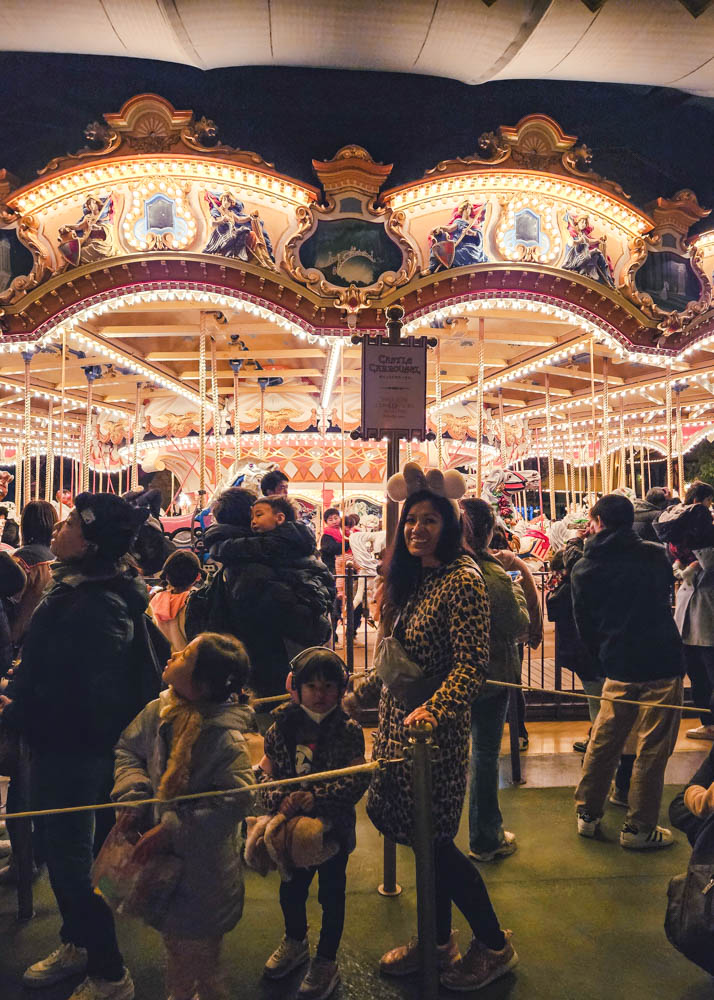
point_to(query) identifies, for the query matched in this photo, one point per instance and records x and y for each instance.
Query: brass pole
(643, 485)
(26, 458)
(135, 457)
(668, 405)
(549, 437)
(61, 442)
(605, 455)
(593, 433)
(216, 415)
(680, 448)
(479, 405)
(622, 478)
(202, 411)
(439, 425)
(87, 436)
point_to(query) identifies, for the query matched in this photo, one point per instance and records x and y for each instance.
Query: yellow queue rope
(263, 786)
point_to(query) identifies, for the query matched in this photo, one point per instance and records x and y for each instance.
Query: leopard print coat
(443, 627)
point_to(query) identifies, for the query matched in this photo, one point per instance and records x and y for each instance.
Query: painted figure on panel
(91, 238)
(586, 254)
(461, 241)
(236, 234)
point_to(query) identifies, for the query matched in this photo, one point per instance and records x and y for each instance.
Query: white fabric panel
(560, 29)
(227, 32)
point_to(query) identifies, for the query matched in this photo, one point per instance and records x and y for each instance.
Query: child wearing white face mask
(309, 735)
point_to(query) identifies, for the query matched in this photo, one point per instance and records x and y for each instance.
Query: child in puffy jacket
(190, 740)
(310, 735)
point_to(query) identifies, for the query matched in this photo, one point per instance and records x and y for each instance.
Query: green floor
(587, 920)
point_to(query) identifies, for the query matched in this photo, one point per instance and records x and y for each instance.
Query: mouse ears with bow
(449, 484)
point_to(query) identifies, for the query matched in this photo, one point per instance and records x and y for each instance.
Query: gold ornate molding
(537, 142)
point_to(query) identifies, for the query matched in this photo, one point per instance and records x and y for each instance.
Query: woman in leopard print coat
(437, 596)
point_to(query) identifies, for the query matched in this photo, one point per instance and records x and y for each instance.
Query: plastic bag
(138, 890)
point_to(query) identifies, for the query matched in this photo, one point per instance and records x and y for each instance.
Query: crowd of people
(125, 696)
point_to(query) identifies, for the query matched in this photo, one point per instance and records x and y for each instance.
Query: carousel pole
(61, 438)
(479, 405)
(633, 476)
(571, 449)
(439, 426)
(26, 458)
(605, 453)
(202, 412)
(580, 476)
(261, 430)
(502, 425)
(593, 432)
(18, 472)
(622, 478)
(649, 468)
(235, 365)
(37, 472)
(216, 413)
(549, 445)
(680, 448)
(668, 405)
(643, 486)
(87, 432)
(134, 483)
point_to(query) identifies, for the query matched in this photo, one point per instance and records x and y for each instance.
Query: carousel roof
(467, 40)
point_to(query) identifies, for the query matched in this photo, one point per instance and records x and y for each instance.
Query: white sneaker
(507, 847)
(587, 826)
(701, 733)
(104, 989)
(286, 957)
(645, 840)
(65, 961)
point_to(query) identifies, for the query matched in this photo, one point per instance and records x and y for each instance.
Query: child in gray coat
(190, 740)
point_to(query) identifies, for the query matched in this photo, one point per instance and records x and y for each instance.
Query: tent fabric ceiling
(657, 43)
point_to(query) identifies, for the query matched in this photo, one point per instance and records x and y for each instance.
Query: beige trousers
(655, 730)
(194, 968)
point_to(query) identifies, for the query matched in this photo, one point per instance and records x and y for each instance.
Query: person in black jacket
(79, 685)
(688, 811)
(621, 600)
(281, 593)
(647, 511)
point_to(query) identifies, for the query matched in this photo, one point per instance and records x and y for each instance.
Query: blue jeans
(65, 779)
(488, 717)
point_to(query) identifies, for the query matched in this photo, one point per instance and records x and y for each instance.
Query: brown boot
(404, 960)
(480, 966)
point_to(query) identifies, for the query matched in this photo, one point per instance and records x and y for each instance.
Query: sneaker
(65, 961)
(645, 840)
(701, 733)
(480, 966)
(618, 796)
(581, 746)
(587, 825)
(105, 989)
(321, 979)
(507, 846)
(522, 742)
(286, 957)
(404, 960)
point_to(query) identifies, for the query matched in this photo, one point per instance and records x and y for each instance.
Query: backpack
(689, 922)
(208, 607)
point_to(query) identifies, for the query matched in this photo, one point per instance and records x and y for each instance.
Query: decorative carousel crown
(449, 484)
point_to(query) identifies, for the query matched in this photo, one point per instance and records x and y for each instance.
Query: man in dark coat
(81, 681)
(622, 604)
(647, 511)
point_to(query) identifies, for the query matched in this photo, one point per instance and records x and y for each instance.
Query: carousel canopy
(469, 40)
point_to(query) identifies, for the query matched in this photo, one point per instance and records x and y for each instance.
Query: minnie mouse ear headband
(450, 484)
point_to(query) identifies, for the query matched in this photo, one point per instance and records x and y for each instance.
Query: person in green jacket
(509, 626)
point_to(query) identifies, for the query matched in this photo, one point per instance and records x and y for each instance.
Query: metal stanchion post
(420, 747)
(389, 886)
(516, 778)
(349, 617)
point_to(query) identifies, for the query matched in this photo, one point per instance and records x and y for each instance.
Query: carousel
(177, 312)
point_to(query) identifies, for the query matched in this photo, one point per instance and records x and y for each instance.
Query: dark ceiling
(653, 141)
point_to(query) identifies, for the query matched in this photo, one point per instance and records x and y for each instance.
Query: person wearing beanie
(168, 607)
(85, 674)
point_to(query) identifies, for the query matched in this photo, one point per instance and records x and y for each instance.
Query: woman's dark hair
(499, 540)
(479, 521)
(557, 563)
(329, 512)
(318, 663)
(404, 570)
(279, 505)
(37, 522)
(11, 533)
(233, 507)
(181, 569)
(222, 666)
(698, 492)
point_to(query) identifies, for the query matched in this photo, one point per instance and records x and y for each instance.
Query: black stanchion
(389, 886)
(348, 617)
(516, 778)
(420, 747)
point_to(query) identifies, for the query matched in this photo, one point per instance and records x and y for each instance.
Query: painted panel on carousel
(91, 237)
(586, 253)
(528, 231)
(236, 232)
(458, 243)
(350, 248)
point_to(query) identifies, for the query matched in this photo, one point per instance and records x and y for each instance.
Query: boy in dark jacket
(314, 735)
(621, 600)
